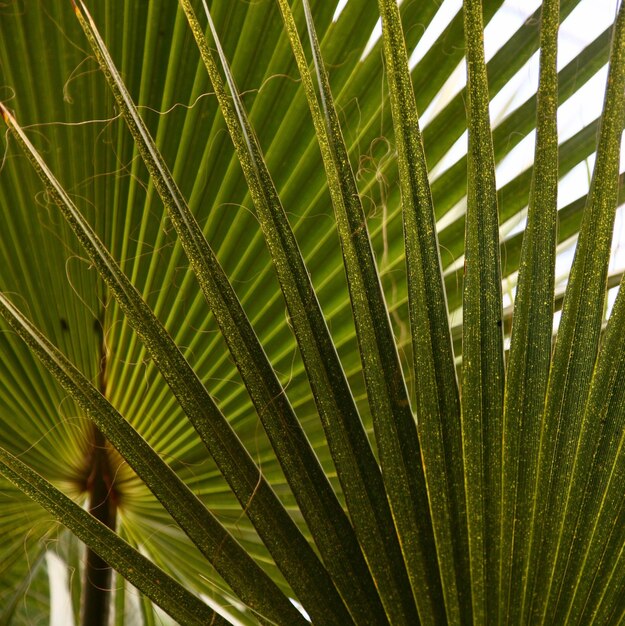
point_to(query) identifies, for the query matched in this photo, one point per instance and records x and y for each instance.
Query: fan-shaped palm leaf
(252, 335)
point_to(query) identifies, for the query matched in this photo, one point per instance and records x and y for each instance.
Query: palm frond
(305, 318)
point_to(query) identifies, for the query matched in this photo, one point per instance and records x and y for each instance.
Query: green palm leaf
(264, 361)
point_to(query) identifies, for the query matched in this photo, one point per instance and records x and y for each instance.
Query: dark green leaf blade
(577, 341)
(448, 125)
(438, 402)
(592, 527)
(374, 525)
(393, 421)
(306, 317)
(482, 341)
(530, 350)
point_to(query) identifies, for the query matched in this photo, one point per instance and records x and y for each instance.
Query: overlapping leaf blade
(313, 492)
(360, 476)
(233, 563)
(153, 50)
(245, 478)
(438, 402)
(577, 340)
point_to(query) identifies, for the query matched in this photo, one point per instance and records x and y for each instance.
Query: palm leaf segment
(486, 510)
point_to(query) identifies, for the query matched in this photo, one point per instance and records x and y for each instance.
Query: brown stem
(102, 505)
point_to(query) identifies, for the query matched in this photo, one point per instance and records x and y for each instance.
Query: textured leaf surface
(297, 347)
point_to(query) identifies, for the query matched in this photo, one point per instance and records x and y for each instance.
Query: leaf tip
(77, 9)
(6, 116)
